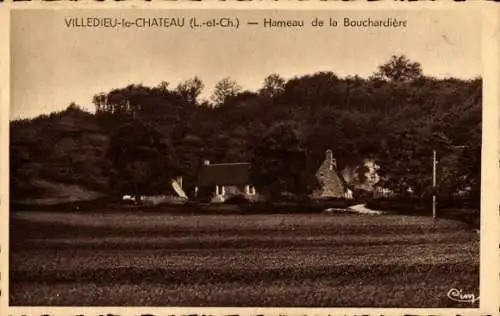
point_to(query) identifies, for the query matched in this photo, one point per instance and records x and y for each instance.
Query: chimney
(206, 162)
(329, 158)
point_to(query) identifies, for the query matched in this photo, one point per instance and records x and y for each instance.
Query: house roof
(224, 174)
(334, 184)
(334, 181)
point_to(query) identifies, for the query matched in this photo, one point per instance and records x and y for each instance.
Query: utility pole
(434, 162)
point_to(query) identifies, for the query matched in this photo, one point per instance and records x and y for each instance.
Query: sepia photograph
(245, 158)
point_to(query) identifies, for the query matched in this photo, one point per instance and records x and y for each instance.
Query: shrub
(403, 205)
(237, 199)
(322, 204)
(363, 195)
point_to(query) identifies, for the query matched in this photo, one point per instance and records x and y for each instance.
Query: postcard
(267, 158)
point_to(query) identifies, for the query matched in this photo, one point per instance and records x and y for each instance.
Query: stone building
(332, 183)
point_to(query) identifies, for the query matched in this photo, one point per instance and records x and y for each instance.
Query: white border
(490, 232)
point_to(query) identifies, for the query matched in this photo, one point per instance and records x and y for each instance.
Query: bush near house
(237, 199)
(320, 205)
(451, 209)
(403, 205)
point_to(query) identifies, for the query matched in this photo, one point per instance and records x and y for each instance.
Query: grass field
(71, 259)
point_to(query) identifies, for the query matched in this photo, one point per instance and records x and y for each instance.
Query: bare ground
(71, 259)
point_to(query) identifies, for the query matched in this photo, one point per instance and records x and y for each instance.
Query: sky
(53, 65)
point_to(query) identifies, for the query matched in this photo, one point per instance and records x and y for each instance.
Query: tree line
(396, 117)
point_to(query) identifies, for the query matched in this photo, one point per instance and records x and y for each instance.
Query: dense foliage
(279, 162)
(143, 160)
(397, 117)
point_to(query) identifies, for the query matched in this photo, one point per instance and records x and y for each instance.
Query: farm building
(332, 183)
(229, 179)
(225, 180)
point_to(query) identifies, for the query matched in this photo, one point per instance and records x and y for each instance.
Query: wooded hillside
(397, 117)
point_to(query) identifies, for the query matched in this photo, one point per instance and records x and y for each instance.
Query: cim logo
(458, 296)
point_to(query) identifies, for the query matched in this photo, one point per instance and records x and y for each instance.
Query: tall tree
(406, 161)
(273, 86)
(163, 86)
(143, 160)
(312, 91)
(225, 89)
(190, 89)
(399, 69)
(279, 162)
(99, 101)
